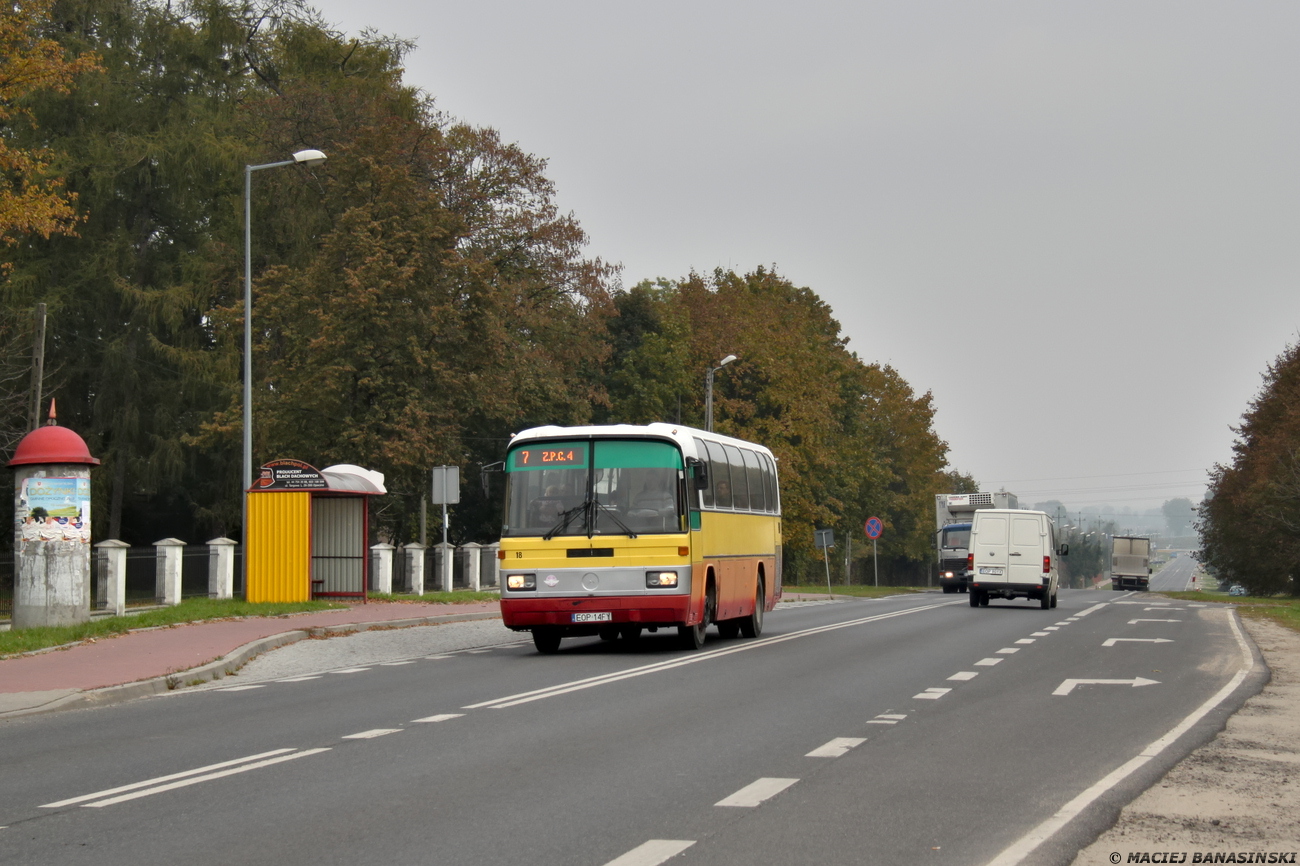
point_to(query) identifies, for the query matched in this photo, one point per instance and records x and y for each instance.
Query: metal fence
(460, 576)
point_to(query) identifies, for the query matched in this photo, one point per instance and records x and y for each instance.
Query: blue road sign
(873, 528)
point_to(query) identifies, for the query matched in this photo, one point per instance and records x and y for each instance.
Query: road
(902, 730)
(1175, 576)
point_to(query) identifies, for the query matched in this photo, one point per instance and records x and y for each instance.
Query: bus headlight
(521, 581)
(660, 579)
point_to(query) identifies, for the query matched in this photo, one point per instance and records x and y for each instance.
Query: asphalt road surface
(906, 730)
(1175, 576)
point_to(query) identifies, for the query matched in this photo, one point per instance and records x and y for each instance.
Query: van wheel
(728, 629)
(974, 598)
(984, 599)
(547, 640)
(1053, 599)
(1045, 602)
(752, 625)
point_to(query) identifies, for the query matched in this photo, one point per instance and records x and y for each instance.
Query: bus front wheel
(547, 640)
(691, 637)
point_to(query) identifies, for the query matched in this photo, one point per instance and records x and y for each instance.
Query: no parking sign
(873, 527)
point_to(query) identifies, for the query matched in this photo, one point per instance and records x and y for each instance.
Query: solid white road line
(196, 779)
(441, 717)
(443, 656)
(605, 679)
(988, 662)
(962, 676)
(652, 853)
(298, 679)
(159, 780)
(372, 733)
(1024, 846)
(349, 670)
(395, 664)
(756, 792)
(931, 694)
(836, 747)
(241, 688)
(1095, 607)
(1136, 621)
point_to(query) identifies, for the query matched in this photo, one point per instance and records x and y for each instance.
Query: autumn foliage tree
(1250, 519)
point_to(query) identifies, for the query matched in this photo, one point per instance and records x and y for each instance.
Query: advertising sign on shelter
(286, 474)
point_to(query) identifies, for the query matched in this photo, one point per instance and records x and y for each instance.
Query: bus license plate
(993, 571)
(593, 617)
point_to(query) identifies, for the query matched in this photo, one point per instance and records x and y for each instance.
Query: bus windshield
(594, 487)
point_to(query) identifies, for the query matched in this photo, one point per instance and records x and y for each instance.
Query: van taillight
(970, 562)
(1047, 565)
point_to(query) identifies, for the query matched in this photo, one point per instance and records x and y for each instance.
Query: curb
(230, 663)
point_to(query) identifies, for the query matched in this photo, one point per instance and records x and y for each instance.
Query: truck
(1130, 563)
(952, 522)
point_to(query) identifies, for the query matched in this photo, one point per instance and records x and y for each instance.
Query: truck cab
(954, 546)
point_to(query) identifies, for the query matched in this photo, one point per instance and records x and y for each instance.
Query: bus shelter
(307, 531)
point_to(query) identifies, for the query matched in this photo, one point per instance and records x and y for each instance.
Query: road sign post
(825, 540)
(446, 491)
(873, 528)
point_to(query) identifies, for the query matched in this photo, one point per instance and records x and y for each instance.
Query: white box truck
(952, 519)
(1130, 562)
(1013, 555)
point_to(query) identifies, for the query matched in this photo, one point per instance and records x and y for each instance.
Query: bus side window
(702, 453)
(739, 483)
(720, 475)
(754, 471)
(773, 501)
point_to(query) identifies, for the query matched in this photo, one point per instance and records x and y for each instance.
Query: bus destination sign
(548, 456)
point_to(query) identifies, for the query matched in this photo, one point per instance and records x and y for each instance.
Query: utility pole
(38, 370)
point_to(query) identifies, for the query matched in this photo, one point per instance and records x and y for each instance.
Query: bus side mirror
(699, 473)
(1065, 548)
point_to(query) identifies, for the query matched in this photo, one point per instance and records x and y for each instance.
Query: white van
(1013, 555)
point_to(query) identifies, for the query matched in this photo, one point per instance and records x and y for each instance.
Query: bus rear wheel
(547, 640)
(752, 625)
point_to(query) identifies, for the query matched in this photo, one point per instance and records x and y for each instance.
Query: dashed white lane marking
(652, 853)
(242, 766)
(349, 670)
(1051, 628)
(241, 688)
(887, 719)
(1163, 608)
(1065, 622)
(988, 662)
(298, 679)
(1115, 640)
(441, 717)
(1069, 619)
(395, 664)
(442, 656)
(836, 747)
(931, 694)
(1025, 640)
(1008, 650)
(1136, 621)
(962, 676)
(756, 792)
(371, 734)
(1041, 633)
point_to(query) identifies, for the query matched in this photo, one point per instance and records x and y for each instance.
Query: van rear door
(1025, 556)
(989, 544)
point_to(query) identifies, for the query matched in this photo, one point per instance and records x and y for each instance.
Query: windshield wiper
(566, 517)
(608, 511)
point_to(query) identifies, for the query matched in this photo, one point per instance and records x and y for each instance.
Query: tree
(1179, 514)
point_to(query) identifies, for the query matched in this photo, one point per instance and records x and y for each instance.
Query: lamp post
(304, 157)
(708, 392)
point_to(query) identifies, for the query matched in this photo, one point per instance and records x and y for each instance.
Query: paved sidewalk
(155, 660)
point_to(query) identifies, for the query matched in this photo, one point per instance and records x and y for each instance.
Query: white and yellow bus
(610, 530)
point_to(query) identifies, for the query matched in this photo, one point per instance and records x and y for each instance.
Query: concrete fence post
(167, 570)
(415, 566)
(448, 562)
(110, 594)
(492, 563)
(473, 552)
(221, 567)
(381, 568)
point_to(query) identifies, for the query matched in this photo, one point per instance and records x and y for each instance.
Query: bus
(610, 530)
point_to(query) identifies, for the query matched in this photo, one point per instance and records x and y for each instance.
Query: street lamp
(303, 157)
(708, 392)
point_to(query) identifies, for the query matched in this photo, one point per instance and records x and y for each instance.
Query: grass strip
(854, 591)
(1283, 610)
(189, 610)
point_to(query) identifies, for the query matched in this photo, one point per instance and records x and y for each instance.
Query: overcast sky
(1075, 223)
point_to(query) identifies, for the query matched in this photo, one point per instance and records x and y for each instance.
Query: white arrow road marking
(441, 717)
(1136, 621)
(931, 694)
(1068, 685)
(1164, 608)
(1116, 640)
(836, 747)
(371, 734)
(756, 792)
(652, 853)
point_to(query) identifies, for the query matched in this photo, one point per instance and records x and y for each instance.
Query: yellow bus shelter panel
(279, 547)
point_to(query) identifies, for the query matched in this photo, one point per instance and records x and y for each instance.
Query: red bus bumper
(667, 610)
